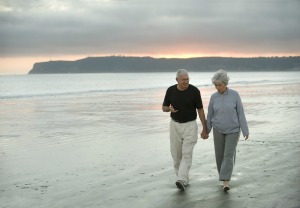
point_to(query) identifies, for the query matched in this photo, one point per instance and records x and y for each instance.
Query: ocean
(99, 140)
(52, 85)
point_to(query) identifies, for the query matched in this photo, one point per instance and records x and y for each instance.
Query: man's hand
(172, 109)
(169, 109)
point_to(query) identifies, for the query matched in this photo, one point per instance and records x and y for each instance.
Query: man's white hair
(181, 72)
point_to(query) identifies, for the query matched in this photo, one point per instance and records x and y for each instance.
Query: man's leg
(190, 135)
(175, 145)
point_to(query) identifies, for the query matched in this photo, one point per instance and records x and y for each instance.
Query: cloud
(40, 27)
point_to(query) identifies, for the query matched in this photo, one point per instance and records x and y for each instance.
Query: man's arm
(201, 114)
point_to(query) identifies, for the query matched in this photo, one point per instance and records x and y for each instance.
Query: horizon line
(133, 56)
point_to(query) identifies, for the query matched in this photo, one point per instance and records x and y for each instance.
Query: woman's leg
(219, 143)
(231, 141)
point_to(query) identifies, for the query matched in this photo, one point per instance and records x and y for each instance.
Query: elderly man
(183, 101)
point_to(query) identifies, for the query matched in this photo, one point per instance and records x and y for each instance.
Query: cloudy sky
(42, 30)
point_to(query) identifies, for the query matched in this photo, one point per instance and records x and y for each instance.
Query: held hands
(204, 134)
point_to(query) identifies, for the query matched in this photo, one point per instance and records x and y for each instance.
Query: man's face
(183, 81)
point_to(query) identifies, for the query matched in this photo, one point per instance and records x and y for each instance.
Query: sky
(41, 30)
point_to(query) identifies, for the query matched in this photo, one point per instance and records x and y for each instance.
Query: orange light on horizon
(22, 65)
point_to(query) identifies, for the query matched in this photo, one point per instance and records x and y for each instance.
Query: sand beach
(111, 150)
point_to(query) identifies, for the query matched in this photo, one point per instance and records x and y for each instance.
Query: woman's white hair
(220, 75)
(181, 72)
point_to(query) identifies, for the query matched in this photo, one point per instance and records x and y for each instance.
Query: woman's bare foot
(226, 186)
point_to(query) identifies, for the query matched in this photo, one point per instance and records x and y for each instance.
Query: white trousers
(183, 137)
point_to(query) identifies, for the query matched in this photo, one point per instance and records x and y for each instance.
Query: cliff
(117, 64)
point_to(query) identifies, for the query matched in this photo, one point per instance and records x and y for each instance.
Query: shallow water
(26, 86)
(89, 146)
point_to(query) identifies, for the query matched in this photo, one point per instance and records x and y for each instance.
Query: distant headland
(119, 64)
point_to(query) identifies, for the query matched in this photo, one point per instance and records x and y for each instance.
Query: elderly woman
(226, 117)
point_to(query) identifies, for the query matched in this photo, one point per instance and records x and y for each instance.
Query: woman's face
(220, 86)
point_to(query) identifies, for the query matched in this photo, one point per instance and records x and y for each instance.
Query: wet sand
(112, 150)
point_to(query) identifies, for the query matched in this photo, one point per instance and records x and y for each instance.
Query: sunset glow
(40, 31)
(22, 65)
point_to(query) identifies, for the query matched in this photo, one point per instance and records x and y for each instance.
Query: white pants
(183, 137)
